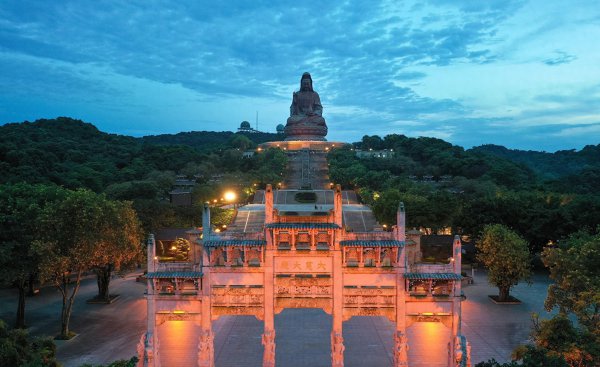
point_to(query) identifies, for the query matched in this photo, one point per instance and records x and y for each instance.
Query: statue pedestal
(303, 144)
(305, 131)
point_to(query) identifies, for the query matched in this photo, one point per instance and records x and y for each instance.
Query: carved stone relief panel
(163, 317)
(237, 296)
(303, 287)
(323, 303)
(364, 297)
(237, 310)
(389, 312)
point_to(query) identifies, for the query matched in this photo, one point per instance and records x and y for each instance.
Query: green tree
(558, 338)
(119, 244)
(21, 207)
(241, 142)
(76, 229)
(17, 348)
(574, 267)
(506, 256)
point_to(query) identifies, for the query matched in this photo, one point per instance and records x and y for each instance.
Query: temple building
(312, 245)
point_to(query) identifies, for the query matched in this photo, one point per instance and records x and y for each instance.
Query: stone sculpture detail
(145, 349)
(400, 349)
(306, 121)
(268, 341)
(462, 352)
(337, 349)
(206, 349)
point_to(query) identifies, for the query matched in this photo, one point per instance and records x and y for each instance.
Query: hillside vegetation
(445, 186)
(74, 154)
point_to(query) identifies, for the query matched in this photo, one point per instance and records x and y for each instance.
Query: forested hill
(549, 165)
(206, 139)
(73, 154)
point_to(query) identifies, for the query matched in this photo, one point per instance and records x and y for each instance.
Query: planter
(511, 300)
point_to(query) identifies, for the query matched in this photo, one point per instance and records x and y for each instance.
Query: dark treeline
(444, 185)
(206, 140)
(74, 154)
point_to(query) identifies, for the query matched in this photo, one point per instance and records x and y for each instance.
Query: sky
(523, 74)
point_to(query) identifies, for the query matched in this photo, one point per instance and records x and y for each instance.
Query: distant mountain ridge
(549, 165)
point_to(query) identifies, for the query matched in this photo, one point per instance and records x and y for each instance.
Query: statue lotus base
(292, 145)
(305, 132)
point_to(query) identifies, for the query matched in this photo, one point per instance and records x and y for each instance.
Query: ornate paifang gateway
(277, 256)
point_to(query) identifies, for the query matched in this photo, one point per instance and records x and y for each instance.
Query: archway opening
(238, 341)
(303, 338)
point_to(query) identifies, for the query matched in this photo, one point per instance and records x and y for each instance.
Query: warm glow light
(230, 196)
(218, 230)
(155, 258)
(214, 201)
(178, 311)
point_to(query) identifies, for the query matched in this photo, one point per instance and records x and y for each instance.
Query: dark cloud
(560, 57)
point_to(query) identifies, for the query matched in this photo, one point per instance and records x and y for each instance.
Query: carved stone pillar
(468, 354)
(462, 352)
(337, 340)
(147, 351)
(206, 349)
(268, 341)
(337, 349)
(400, 349)
(268, 338)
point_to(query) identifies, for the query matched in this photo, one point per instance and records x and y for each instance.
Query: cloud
(194, 64)
(560, 57)
(579, 131)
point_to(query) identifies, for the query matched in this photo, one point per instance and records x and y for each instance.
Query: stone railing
(303, 219)
(369, 236)
(177, 266)
(432, 268)
(229, 236)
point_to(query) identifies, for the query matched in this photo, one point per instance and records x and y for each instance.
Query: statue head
(306, 83)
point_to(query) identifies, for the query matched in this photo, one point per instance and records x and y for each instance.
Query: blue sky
(523, 74)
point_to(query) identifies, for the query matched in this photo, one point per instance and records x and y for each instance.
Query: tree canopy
(575, 269)
(506, 256)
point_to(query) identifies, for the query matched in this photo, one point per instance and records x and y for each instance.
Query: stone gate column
(206, 351)
(400, 338)
(455, 345)
(148, 345)
(337, 340)
(268, 337)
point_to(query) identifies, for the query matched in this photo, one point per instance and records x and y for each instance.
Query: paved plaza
(109, 332)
